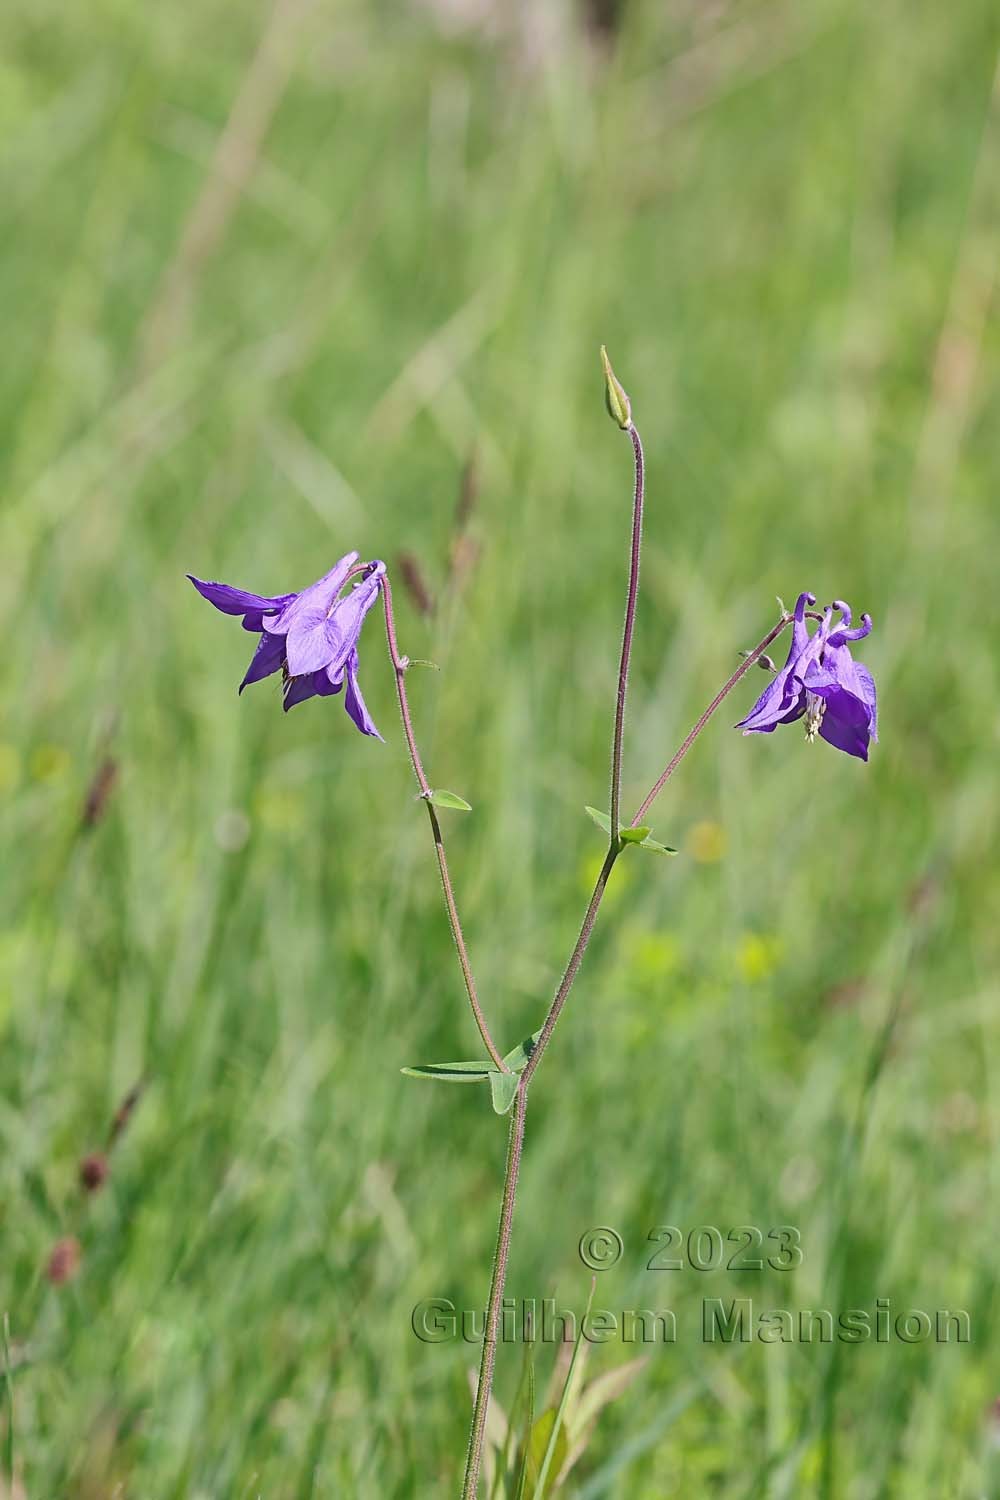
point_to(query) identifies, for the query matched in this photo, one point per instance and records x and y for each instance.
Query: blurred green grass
(271, 281)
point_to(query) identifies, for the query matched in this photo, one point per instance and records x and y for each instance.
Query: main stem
(506, 1222)
(630, 604)
(515, 1142)
(399, 667)
(516, 1139)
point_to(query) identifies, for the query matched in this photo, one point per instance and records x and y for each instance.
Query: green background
(272, 281)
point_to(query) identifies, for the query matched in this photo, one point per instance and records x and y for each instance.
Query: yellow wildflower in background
(758, 956)
(706, 842)
(49, 762)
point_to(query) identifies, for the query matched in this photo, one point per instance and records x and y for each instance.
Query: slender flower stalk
(630, 607)
(400, 665)
(749, 660)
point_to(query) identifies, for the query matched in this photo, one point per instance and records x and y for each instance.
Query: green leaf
(503, 1087)
(9, 1392)
(521, 1492)
(546, 1454)
(517, 1058)
(601, 819)
(506, 1483)
(457, 1072)
(441, 798)
(556, 1451)
(638, 836)
(656, 848)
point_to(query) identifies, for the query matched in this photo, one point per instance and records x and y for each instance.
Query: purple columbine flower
(310, 637)
(823, 681)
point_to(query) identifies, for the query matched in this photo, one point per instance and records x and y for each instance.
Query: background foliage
(277, 282)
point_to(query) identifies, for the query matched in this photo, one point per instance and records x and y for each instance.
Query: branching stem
(516, 1140)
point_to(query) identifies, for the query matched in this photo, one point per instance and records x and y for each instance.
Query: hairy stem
(575, 959)
(630, 605)
(399, 667)
(515, 1142)
(723, 693)
(514, 1148)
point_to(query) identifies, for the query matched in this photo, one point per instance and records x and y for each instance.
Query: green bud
(618, 404)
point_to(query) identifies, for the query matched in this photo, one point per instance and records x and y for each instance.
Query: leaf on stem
(638, 836)
(601, 819)
(456, 1072)
(441, 798)
(503, 1087)
(517, 1058)
(655, 847)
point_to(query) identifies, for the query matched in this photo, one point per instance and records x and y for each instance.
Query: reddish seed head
(414, 583)
(99, 792)
(93, 1171)
(64, 1262)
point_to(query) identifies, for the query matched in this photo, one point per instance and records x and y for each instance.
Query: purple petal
(848, 692)
(353, 701)
(837, 680)
(841, 635)
(800, 631)
(236, 601)
(257, 619)
(313, 604)
(328, 641)
(779, 700)
(308, 645)
(843, 735)
(782, 700)
(867, 684)
(266, 659)
(315, 684)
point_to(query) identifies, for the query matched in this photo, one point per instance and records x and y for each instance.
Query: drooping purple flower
(821, 680)
(310, 637)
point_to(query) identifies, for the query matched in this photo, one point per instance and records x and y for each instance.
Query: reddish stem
(399, 667)
(630, 606)
(724, 692)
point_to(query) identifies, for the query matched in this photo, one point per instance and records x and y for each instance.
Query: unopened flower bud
(765, 662)
(618, 404)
